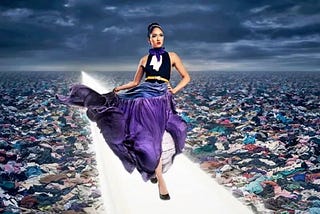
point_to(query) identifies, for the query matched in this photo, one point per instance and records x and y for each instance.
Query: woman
(141, 125)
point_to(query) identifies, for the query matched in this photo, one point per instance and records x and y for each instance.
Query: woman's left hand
(170, 89)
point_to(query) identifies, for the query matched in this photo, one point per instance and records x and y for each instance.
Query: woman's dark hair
(153, 26)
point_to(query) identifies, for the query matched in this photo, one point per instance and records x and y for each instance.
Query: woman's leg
(163, 191)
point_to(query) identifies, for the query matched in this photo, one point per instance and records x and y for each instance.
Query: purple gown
(133, 123)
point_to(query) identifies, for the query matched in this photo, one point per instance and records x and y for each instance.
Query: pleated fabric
(140, 125)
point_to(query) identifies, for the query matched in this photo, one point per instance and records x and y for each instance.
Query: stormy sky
(227, 35)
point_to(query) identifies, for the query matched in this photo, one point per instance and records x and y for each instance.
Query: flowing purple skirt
(134, 123)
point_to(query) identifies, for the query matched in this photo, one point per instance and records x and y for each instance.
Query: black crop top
(164, 70)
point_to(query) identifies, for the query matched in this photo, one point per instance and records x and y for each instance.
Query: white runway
(191, 189)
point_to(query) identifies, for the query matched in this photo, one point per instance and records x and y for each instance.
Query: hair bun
(152, 26)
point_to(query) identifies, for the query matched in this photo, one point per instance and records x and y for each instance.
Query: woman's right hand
(116, 89)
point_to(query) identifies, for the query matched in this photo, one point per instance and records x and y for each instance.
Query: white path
(191, 189)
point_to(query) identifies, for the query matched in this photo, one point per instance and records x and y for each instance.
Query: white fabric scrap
(156, 64)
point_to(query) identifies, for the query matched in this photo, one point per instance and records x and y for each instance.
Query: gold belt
(157, 78)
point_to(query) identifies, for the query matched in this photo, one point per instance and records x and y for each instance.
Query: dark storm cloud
(103, 34)
(32, 4)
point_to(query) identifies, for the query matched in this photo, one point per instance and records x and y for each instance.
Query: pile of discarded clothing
(258, 134)
(47, 164)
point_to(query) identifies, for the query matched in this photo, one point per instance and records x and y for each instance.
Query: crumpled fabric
(255, 186)
(133, 123)
(314, 210)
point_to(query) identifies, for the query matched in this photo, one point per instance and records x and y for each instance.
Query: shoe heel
(154, 180)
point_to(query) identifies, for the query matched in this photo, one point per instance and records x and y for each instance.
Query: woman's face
(156, 38)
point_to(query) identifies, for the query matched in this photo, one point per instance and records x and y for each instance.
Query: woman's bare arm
(137, 77)
(177, 63)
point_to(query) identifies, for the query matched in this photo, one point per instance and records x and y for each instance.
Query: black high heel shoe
(164, 197)
(154, 180)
